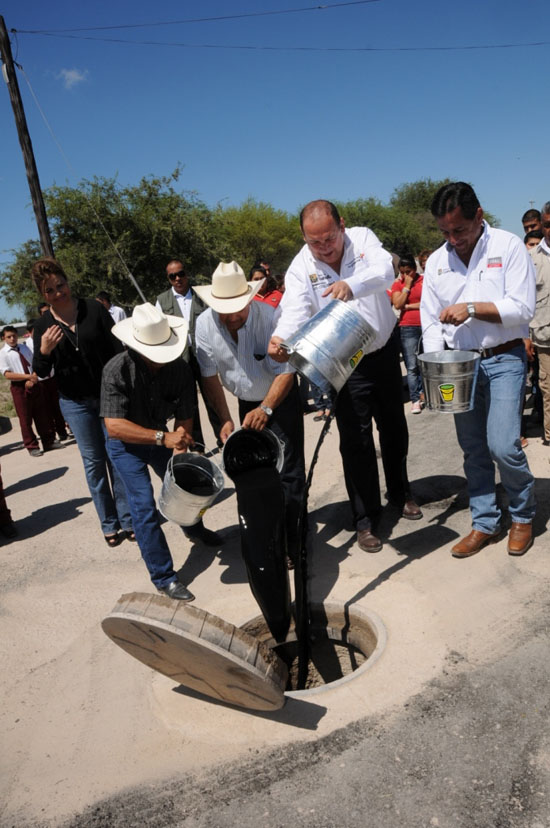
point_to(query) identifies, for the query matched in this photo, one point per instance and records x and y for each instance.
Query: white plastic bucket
(181, 499)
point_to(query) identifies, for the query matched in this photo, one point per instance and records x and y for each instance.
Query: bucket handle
(207, 453)
(290, 349)
(431, 325)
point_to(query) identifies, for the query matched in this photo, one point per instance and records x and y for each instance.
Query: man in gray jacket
(180, 300)
(539, 328)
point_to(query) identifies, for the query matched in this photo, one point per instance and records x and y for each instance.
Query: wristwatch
(159, 438)
(471, 310)
(267, 410)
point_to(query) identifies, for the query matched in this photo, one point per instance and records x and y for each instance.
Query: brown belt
(500, 349)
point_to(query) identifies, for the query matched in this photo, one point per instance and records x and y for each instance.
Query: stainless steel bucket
(330, 345)
(186, 472)
(247, 448)
(449, 379)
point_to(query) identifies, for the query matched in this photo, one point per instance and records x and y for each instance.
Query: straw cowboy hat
(153, 334)
(229, 291)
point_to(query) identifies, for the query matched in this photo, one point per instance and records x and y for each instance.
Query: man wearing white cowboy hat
(141, 389)
(232, 337)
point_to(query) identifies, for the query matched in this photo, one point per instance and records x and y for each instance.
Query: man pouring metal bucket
(479, 295)
(141, 389)
(336, 263)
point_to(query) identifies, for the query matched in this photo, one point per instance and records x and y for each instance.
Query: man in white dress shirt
(479, 295)
(232, 338)
(352, 265)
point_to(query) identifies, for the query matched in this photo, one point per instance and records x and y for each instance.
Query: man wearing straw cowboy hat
(141, 389)
(479, 295)
(336, 263)
(232, 339)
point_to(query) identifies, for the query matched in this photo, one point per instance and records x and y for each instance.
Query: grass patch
(6, 399)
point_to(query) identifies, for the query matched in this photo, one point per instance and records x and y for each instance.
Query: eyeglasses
(174, 276)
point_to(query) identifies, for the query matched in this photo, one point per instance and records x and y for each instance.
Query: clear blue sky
(280, 125)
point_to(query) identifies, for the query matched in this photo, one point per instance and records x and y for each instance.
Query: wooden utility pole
(8, 71)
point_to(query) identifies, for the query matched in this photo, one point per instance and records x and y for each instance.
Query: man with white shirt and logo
(352, 265)
(479, 295)
(180, 300)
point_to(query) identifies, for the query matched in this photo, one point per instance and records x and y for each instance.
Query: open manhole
(345, 642)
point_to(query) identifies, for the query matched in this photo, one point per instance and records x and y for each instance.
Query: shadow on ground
(40, 479)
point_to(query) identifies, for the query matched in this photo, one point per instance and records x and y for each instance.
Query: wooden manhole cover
(199, 650)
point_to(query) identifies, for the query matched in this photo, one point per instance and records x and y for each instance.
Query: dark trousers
(212, 416)
(51, 400)
(5, 514)
(287, 423)
(374, 390)
(30, 406)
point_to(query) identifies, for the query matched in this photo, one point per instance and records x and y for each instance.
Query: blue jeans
(410, 336)
(490, 434)
(110, 503)
(132, 461)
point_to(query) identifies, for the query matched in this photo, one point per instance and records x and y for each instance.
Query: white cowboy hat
(229, 291)
(153, 334)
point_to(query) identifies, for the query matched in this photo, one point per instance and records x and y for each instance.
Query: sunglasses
(173, 276)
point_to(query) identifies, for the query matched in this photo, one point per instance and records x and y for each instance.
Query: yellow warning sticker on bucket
(447, 391)
(356, 358)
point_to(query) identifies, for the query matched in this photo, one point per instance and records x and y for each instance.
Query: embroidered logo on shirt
(441, 270)
(494, 262)
(355, 260)
(313, 277)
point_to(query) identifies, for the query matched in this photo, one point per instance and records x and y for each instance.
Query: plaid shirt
(130, 391)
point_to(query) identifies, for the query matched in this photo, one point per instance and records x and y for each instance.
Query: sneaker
(51, 446)
(36, 452)
(416, 407)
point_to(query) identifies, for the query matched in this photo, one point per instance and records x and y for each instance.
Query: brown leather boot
(472, 543)
(367, 541)
(520, 538)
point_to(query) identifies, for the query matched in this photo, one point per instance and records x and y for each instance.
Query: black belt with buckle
(500, 349)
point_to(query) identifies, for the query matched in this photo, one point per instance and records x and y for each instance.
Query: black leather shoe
(178, 591)
(9, 530)
(367, 541)
(409, 509)
(200, 534)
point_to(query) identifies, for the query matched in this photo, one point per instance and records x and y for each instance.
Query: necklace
(69, 334)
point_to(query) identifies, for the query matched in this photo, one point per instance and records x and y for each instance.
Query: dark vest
(170, 305)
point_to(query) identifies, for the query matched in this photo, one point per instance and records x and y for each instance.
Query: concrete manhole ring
(350, 640)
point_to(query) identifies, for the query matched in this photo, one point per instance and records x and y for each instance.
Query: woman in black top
(74, 336)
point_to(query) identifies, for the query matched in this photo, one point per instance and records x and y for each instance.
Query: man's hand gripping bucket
(449, 379)
(192, 482)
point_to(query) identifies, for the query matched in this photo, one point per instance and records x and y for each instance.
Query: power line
(468, 47)
(323, 7)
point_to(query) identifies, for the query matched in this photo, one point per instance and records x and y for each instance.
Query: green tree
(397, 230)
(149, 223)
(256, 229)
